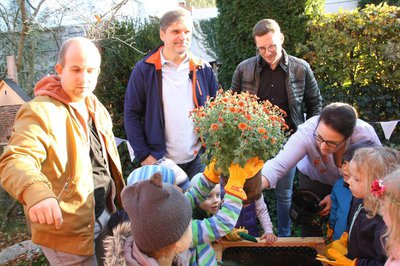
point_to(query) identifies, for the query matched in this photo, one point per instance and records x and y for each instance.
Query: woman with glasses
(317, 149)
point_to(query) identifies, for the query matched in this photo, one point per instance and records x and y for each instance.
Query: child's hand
(328, 203)
(268, 238)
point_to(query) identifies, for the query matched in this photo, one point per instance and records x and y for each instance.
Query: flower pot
(252, 186)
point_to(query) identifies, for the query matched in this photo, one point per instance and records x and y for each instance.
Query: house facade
(11, 98)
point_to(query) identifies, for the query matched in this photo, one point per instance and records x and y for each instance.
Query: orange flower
(232, 109)
(241, 103)
(248, 117)
(220, 119)
(262, 130)
(242, 126)
(214, 126)
(273, 117)
(265, 136)
(266, 110)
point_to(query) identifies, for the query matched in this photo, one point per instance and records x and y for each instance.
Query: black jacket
(364, 241)
(302, 88)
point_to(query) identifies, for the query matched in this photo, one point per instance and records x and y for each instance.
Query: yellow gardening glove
(329, 233)
(344, 238)
(238, 176)
(211, 173)
(234, 234)
(338, 259)
(339, 245)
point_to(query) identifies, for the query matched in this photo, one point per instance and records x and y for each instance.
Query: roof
(17, 89)
(7, 116)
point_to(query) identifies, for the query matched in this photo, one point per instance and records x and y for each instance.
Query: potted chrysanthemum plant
(237, 127)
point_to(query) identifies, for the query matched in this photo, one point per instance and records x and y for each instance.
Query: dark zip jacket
(364, 242)
(302, 88)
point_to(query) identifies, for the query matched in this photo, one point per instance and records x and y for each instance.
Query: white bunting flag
(131, 153)
(119, 141)
(388, 128)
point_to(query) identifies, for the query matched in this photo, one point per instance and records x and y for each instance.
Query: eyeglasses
(271, 48)
(330, 144)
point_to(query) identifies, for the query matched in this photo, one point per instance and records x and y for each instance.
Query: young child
(253, 211)
(160, 224)
(388, 192)
(210, 205)
(140, 174)
(203, 231)
(365, 228)
(341, 195)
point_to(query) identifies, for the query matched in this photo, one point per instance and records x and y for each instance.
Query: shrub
(356, 47)
(130, 42)
(355, 56)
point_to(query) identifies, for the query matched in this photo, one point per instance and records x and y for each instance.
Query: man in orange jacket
(62, 162)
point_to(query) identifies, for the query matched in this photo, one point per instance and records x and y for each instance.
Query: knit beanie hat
(145, 172)
(182, 180)
(159, 213)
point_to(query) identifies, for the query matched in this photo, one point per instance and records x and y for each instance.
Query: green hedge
(129, 43)
(356, 47)
(131, 40)
(355, 56)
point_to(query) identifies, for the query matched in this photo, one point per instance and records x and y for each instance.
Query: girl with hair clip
(365, 228)
(387, 190)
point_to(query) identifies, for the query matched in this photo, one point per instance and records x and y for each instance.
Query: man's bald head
(81, 41)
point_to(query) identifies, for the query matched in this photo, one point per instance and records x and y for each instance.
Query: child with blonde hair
(365, 229)
(387, 190)
(341, 196)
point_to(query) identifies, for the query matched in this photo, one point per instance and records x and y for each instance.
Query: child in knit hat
(203, 232)
(143, 173)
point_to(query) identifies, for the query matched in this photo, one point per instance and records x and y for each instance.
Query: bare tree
(34, 32)
(26, 26)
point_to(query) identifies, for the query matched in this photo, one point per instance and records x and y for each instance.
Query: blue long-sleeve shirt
(341, 200)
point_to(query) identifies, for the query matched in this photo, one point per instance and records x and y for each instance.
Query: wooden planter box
(260, 251)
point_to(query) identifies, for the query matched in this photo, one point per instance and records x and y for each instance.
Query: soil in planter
(274, 256)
